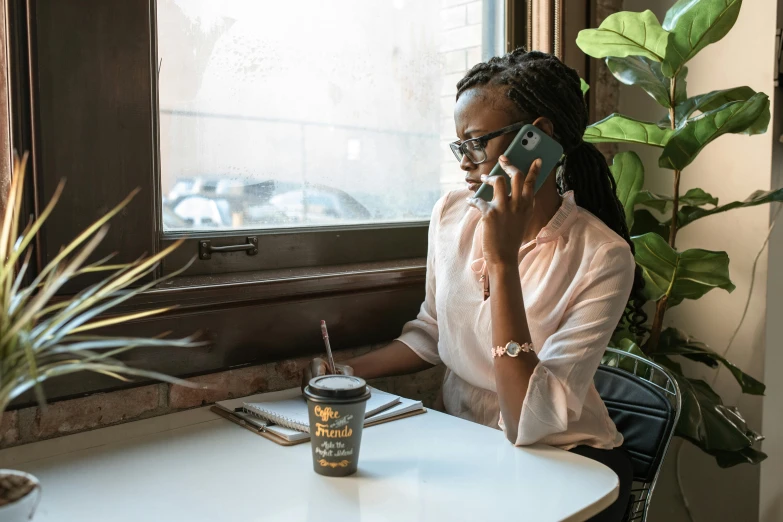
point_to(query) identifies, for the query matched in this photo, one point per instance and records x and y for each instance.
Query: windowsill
(215, 290)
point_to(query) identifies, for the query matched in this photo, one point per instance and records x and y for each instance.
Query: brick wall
(460, 49)
(105, 409)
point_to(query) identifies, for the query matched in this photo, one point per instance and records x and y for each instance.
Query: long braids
(541, 85)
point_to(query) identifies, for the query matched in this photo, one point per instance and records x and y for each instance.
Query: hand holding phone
(528, 145)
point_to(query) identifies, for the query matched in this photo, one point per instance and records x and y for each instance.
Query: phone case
(529, 144)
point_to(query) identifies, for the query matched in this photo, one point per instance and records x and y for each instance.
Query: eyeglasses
(474, 148)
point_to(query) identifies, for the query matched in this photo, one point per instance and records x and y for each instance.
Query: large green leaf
(644, 222)
(760, 124)
(628, 173)
(676, 342)
(707, 102)
(734, 117)
(644, 73)
(688, 215)
(709, 424)
(617, 128)
(694, 24)
(667, 362)
(679, 275)
(727, 459)
(626, 34)
(694, 197)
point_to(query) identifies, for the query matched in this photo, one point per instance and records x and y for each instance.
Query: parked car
(215, 201)
(319, 204)
(172, 221)
(204, 212)
(264, 215)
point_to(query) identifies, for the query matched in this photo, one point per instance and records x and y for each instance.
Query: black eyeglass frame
(460, 150)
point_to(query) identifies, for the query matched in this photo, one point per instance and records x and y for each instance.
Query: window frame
(85, 103)
(299, 247)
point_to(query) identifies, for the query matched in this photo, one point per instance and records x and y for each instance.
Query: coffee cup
(336, 406)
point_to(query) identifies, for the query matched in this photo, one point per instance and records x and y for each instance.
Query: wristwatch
(512, 349)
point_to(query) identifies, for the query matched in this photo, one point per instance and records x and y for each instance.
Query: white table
(194, 466)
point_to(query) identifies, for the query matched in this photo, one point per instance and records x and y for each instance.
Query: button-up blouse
(576, 277)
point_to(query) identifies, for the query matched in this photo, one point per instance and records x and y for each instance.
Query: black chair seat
(645, 413)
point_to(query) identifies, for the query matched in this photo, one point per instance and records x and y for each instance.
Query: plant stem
(676, 195)
(657, 326)
(660, 308)
(675, 209)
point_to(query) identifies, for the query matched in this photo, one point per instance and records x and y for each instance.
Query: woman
(552, 272)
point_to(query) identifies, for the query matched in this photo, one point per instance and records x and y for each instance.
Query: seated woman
(551, 271)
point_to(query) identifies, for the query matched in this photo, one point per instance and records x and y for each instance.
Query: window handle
(205, 248)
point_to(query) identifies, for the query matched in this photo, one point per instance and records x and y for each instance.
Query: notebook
(233, 410)
(292, 413)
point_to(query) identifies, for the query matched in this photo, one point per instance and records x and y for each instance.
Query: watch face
(513, 349)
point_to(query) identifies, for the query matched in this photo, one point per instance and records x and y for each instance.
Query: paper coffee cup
(336, 405)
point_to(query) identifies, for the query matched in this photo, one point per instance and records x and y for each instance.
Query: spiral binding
(286, 422)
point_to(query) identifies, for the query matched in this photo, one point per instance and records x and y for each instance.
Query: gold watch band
(512, 349)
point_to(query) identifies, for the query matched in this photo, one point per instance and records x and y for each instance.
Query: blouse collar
(563, 218)
(559, 223)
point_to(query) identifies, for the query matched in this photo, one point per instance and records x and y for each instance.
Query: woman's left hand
(506, 218)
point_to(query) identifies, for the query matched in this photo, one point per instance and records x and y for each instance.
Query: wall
(730, 169)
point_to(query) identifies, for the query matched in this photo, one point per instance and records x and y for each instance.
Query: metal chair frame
(642, 491)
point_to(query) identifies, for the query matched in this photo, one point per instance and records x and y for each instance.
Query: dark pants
(618, 461)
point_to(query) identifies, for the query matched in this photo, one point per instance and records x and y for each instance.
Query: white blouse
(575, 283)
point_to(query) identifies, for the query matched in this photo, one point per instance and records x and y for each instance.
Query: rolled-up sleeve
(421, 334)
(570, 357)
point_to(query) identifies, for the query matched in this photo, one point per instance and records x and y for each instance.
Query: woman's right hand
(318, 367)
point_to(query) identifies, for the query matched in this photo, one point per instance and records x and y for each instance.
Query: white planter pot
(22, 509)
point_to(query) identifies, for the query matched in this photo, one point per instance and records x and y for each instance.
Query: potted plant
(42, 337)
(641, 51)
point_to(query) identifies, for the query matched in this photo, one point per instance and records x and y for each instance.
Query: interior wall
(730, 168)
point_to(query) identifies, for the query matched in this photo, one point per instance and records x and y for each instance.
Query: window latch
(206, 249)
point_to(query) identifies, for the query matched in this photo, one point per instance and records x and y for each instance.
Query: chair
(644, 402)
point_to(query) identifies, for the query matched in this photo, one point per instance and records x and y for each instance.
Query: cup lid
(337, 386)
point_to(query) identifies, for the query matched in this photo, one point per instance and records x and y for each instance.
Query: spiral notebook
(234, 410)
(292, 413)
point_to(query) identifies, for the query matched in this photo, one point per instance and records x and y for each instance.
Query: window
(308, 113)
(106, 106)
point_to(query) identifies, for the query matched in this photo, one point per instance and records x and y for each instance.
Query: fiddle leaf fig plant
(640, 51)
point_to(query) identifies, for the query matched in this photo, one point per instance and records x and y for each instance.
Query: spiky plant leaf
(41, 334)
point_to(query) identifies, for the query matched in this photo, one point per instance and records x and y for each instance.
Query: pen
(330, 360)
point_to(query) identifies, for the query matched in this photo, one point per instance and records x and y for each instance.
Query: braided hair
(539, 84)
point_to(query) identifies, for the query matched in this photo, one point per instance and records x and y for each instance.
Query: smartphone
(529, 144)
